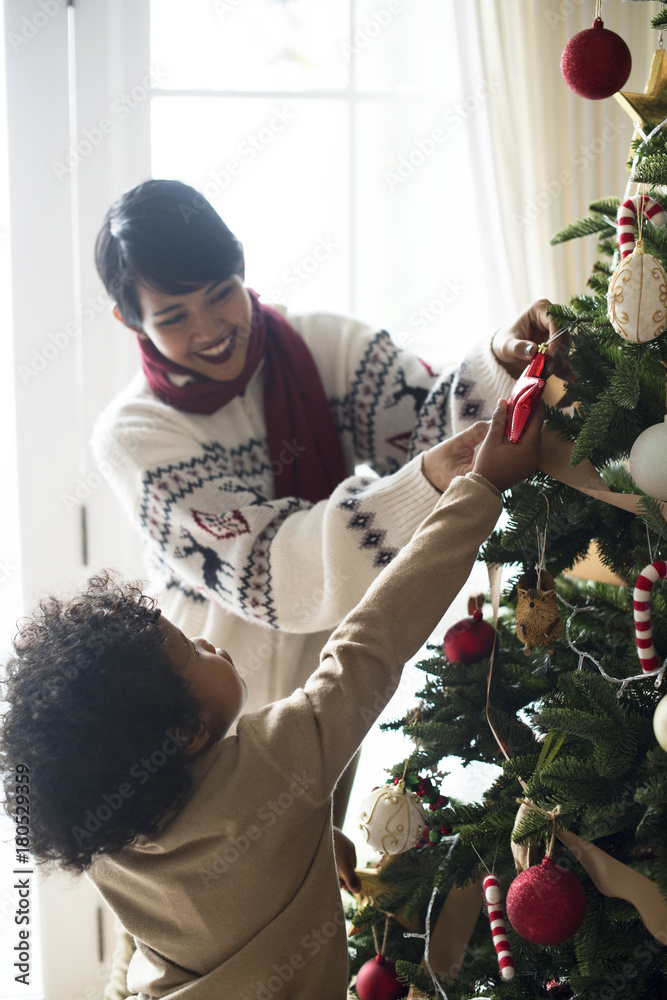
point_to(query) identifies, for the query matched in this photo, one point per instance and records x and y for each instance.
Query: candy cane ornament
(627, 217)
(642, 605)
(493, 897)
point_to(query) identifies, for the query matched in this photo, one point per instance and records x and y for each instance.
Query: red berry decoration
(546, 904)
(377, 980)
(471, 639)
(596, 62)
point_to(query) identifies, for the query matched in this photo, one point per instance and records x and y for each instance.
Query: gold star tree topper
(649, 108)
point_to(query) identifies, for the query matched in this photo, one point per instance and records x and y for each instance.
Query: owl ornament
(538, 620)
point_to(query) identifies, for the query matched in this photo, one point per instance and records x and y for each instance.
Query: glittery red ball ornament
(546, 904)
(470, 640)
(377, 980)
(596, 62)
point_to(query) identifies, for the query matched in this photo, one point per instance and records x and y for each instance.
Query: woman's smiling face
(205, 330)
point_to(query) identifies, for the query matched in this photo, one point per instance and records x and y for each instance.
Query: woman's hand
(453, 457)
(346, 861)
(516, 343)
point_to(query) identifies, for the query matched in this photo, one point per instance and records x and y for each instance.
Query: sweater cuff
(407, 497)
(477, 478)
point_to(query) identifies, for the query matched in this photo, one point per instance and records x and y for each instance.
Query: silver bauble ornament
(648, 460)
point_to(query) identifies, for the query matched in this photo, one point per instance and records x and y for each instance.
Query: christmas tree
(577, 744)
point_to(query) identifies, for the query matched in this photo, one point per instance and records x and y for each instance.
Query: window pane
(276, 171)
(405, 46)
(415, 211)
(250, 44)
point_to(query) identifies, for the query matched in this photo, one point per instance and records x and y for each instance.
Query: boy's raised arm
(360, 666)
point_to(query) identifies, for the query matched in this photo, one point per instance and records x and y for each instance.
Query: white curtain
(541, 153)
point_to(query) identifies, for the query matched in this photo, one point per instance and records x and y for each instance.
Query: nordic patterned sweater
(236, 896)
(269, 578)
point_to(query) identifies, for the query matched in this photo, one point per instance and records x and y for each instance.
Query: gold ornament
(392, 819)
(374, 893)
(637, 297)
(649, 108)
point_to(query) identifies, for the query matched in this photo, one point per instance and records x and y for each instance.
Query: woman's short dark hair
(167, 235)
(97, 720)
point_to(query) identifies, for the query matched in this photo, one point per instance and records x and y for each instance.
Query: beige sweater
(237, 895)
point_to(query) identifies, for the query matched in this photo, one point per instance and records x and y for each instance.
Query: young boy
(216, 853)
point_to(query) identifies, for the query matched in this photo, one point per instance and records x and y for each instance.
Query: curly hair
(98, 719)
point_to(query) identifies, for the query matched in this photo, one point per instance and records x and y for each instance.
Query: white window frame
(54, 220)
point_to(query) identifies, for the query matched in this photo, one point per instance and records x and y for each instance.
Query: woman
(234, 450)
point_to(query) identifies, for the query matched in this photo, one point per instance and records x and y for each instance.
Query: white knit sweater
(268, 578)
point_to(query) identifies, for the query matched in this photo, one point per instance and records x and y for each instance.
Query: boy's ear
(196, 742)
(119, 316)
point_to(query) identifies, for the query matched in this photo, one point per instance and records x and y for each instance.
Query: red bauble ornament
(596, 62)
(546, 904)
(470, 640)
(377, 980)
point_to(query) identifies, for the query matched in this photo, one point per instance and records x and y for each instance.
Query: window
(331, 139)
(331, 136)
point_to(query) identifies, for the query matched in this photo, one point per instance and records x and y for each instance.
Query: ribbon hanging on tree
(555, 462)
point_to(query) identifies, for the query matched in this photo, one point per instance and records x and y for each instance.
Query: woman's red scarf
(306, 455)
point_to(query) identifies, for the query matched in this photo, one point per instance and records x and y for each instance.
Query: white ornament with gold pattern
(637, 293)
(392, 819)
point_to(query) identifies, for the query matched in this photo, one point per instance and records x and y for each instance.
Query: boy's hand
(346, 861)
(453, 457)
(504, 464)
